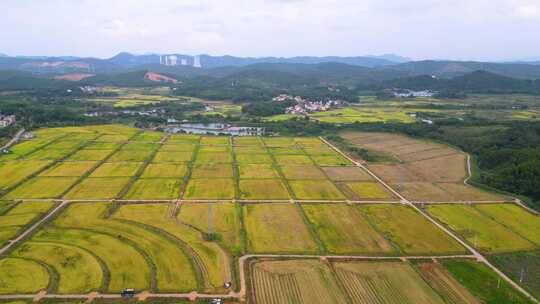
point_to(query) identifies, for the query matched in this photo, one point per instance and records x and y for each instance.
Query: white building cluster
(305, 106)
(412, 94)
(7, 120)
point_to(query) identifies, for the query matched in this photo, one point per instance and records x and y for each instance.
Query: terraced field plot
(428, 171)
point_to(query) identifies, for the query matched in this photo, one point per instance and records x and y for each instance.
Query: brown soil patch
(159, 77)
(74, 76)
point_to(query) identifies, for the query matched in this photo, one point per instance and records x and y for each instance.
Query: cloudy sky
(420, 29)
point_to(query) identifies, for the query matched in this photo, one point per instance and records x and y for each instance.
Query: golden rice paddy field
(174, 213)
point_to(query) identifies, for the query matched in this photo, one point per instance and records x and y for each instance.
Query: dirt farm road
(13, 140)
(243, 284)
(477, 254)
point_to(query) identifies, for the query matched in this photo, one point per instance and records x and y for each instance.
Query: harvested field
(269, 229)
(42, 187)
(13, 172)
(347, 174)
(294, 281)
(212, 171)
(384, 282)
(172, 157)
(89, 155)
(165, 170)
(252, 171)
(369, 190)
(98, 188)
(410, 231)
(154, 188)
(344, 230)
(120, 169)
(315, 190)
(516, 218)
(429, 172)
(217, 188)
(478, 229)
(450, 290)
(302, 172)
(263, 189)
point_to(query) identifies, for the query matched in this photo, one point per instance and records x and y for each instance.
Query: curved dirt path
(13, 140)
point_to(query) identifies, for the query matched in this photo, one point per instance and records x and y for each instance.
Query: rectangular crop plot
(315, 190)
(384, 282)
(516, 218)
(445, 284)
(42, 187)
(131, 156)
(13, 172)
(46, 154)
(478, 229)
(101, 146)
(120, 169)
(302, 172)
(149, 136)
(89, 155)
(522, 267)
(225, 221)
(410, 231)
(208, 189)
(184, 138)
(344, 230)
(65, 145)
(293, 160)
(249, 150)
(113, 138)
(247, 141)
(172, 157)
(214, 157)
(174, 146)
(68, 169)
(294, 281)
(279, 141)
(154, 188)
(252, 171)
(339, 174)
(214, 140)
(98, 188)
(261, 189)
(139, 146)
(164, 170)
(212, 171)
(277, 228)
(253, 159)
(369, 190)
(19, 216)
(330, 160)
(210, 149)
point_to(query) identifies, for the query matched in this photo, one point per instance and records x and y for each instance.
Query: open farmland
(294, 281)
(424, 171)
(180, 214)
(481, 231)
(523, 267)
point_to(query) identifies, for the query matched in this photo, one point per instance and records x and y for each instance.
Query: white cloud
(465, 29)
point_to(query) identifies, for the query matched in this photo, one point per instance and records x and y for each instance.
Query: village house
(7, 120)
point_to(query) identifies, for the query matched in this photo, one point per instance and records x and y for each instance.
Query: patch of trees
(266, 108)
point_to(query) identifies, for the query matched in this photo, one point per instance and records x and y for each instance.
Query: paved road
(15, 139)
(32, 228)
(477, 254)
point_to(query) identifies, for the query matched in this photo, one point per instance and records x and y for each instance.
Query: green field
(483, 283)
(13, 172)
(315, 190)
(42, 187)
(522, 267)
(98, 188)
(516, 218)
(410, 231)
(22, 276)
(118, 169)
(217, 188)
(263, 189)
(154, 188)
(164, 170)
(15, 217)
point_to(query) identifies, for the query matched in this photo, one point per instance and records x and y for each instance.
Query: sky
(420, 29)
